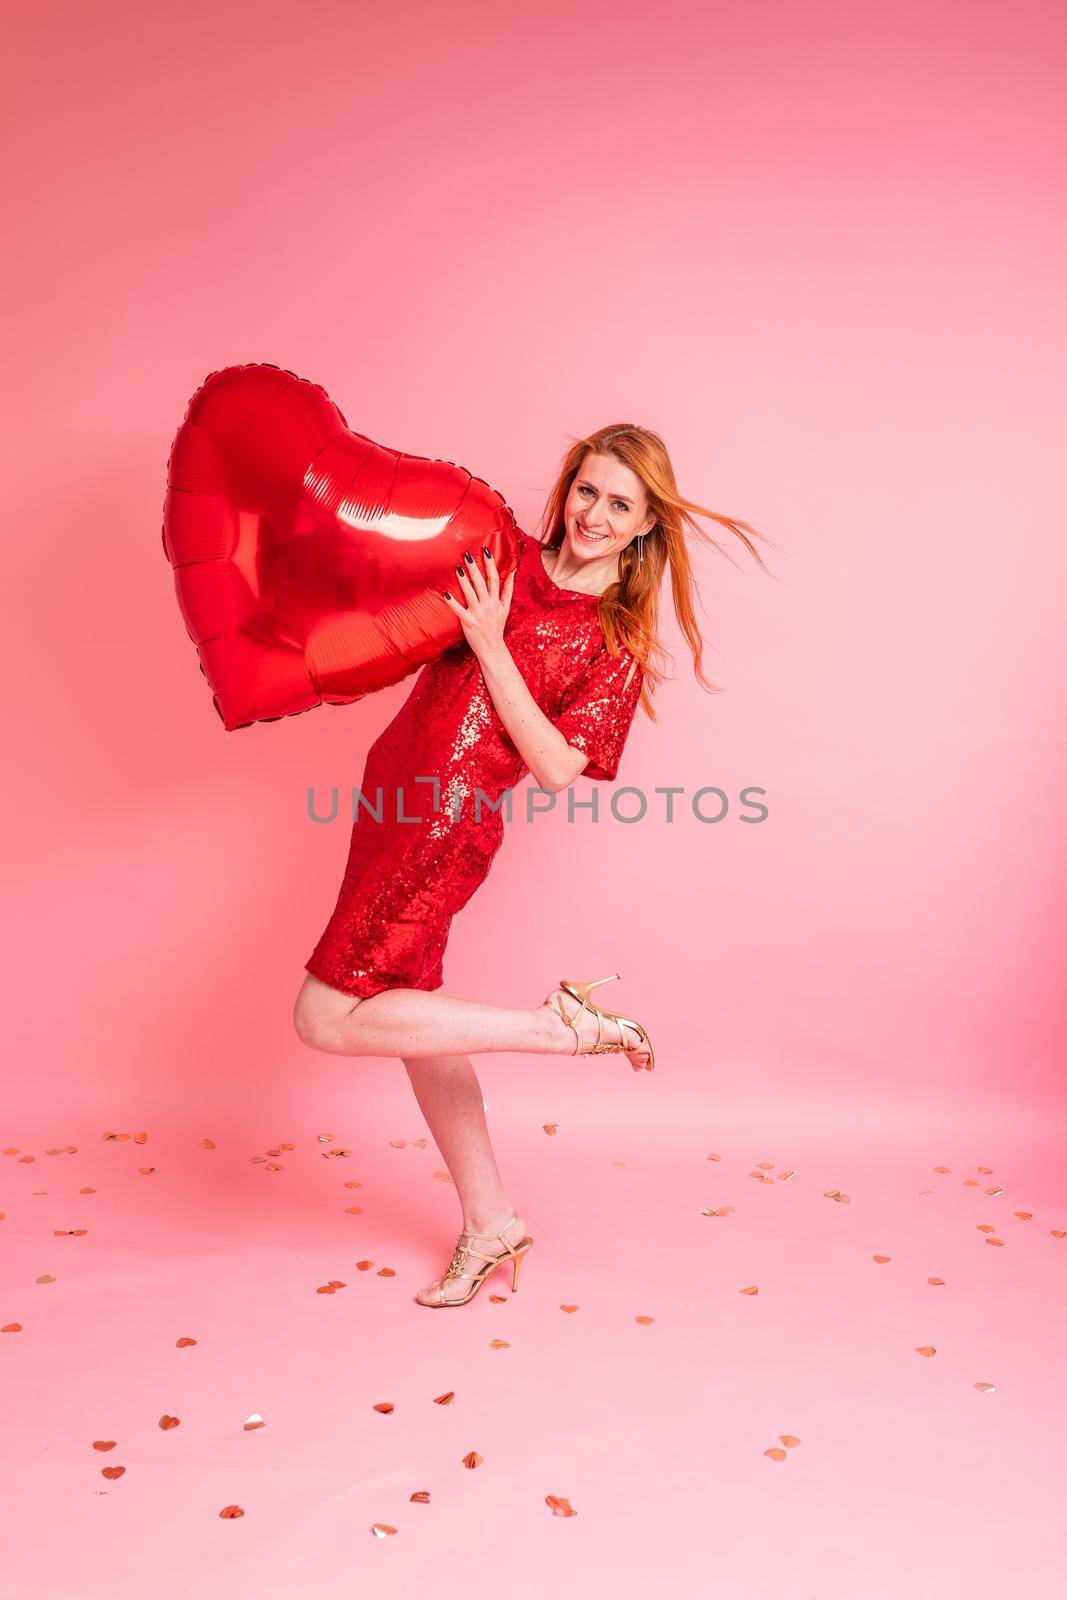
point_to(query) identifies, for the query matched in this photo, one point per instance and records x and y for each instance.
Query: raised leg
(417, 1023)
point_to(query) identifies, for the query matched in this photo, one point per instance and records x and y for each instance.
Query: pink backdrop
(820, 249)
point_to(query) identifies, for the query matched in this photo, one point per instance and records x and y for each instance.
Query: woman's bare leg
(418, 1022)
(450, 1097)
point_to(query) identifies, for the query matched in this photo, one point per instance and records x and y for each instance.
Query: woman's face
(606, 508)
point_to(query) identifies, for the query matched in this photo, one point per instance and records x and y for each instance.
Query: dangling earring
(640, 548)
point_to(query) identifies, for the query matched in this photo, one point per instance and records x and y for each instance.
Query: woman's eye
(621, 504)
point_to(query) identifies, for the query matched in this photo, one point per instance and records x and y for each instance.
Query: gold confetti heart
(936, 1282)
(381, 1530)
(1024, 1216)
(559, 1506)
(986, 1388)
(167, 1423)
(926, 1349)
(364, 1266)
(386, 1272)
(472, 1459)
(790, 1440)
(206, 1144)
(231, 1511)
(384, 1406)
(775, 1454)
(993, 1241)
(445, 1399)
(445, 1177)
(752, 1289)
(714, 1158)
(398, 1144)
(253, 1422)
(422, 1496)
(568, 1308)
(499, 1344)
(353, 1211)
(112, 1472)
(644, 1321)
(46, 1277)
(183, 1342)
(103, 1444)
(550, 1127)
(881, 1260)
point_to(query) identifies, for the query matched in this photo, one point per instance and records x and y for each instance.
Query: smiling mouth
(594, 538)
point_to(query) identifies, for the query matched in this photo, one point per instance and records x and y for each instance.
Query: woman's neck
(560, 573)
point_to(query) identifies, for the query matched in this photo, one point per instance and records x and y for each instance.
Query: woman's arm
(553, 762)
(483, 612)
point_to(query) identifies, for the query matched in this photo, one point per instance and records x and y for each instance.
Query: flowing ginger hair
(629, 608)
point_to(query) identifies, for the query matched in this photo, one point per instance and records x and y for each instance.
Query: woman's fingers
(492, 576)
(474, 575)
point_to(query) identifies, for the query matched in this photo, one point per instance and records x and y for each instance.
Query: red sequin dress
(406, 879)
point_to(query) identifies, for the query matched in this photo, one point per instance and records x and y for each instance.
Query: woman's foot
(451, 1288)
(586, 1023)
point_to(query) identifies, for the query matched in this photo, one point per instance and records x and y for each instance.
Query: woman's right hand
(486, 604)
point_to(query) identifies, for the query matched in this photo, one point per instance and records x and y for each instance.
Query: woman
(546, 681)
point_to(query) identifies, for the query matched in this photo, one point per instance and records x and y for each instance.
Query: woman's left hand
(486, 606)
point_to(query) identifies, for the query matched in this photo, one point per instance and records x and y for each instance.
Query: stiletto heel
(581, 993)
(515, 1265)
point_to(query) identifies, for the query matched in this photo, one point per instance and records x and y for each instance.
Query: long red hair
(629, 609)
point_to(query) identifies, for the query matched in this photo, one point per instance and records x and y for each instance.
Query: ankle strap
(467, 1234)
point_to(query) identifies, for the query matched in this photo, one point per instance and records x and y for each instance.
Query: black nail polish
(447, 595)
(459, 572)
(468, 557)
(487, 553)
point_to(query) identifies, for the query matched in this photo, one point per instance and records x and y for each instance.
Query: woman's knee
(319, 1014)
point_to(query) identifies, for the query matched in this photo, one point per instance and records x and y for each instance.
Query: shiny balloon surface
(308, 560)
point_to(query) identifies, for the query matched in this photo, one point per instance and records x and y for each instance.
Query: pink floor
(795, 1441)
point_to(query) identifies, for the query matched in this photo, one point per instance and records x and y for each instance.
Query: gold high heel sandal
(463, 1252)
(581, 991)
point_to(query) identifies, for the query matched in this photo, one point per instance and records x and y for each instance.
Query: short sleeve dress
(429, 816)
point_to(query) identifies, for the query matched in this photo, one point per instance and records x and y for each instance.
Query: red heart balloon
(308, 560)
